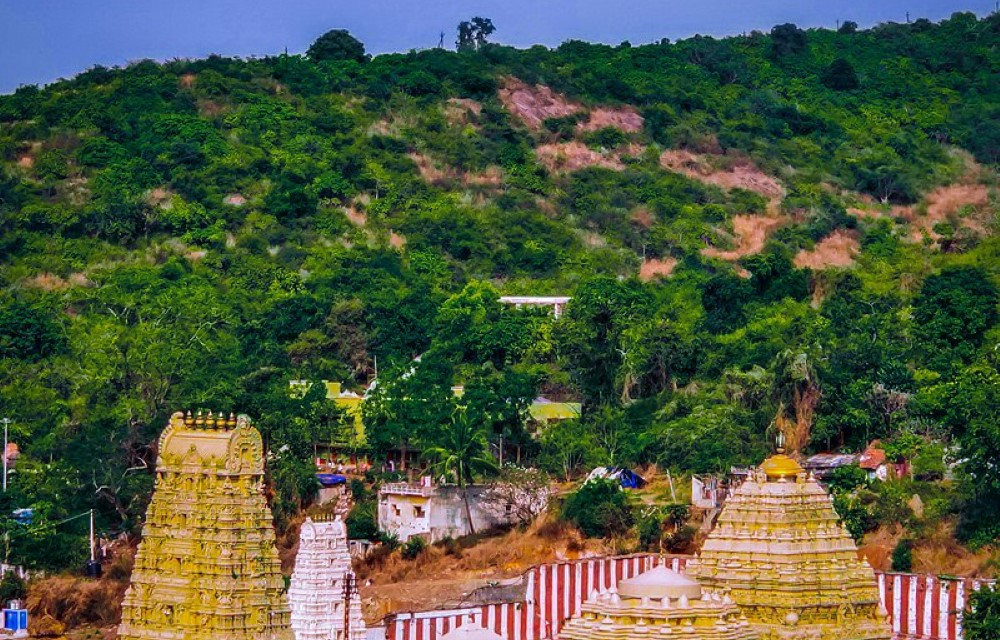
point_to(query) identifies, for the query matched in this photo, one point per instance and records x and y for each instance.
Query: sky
(43, 40)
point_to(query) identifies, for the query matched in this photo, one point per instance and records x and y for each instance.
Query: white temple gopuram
(323, 593)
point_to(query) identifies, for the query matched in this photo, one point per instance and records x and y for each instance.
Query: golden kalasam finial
(232, 420)
(188, 420)
(200, 420)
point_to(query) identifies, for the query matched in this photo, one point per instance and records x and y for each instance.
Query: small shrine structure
(207, 567)
(323, 593)
(659, 603)
(780, 552)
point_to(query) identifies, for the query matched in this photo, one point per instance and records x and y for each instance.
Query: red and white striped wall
(920, 607)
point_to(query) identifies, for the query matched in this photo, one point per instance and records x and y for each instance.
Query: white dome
(660, 582)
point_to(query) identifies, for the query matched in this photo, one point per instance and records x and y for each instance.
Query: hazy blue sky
(42, 40)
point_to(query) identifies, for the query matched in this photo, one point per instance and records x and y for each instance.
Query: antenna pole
(92, 559)
(6, 423)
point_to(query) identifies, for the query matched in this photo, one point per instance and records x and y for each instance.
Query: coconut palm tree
(462, 450)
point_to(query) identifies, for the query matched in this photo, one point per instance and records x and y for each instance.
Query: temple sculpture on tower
(780, 552)
(207, 567)
(659, 603)
(323, 593)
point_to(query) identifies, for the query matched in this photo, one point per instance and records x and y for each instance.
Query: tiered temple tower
(323, 594)
(659, 603)
(780, 552)
(207, 567)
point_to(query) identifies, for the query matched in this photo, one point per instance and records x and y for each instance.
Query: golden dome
(780, 466)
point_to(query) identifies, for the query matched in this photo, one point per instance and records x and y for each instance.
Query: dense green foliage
(199, 233)
(599, 508)
(982, 622)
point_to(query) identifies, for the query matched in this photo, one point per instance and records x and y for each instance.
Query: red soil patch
(751, 233)
(235, 200)
(356, 217)
(626, 119)
(943, 204)
(836, 250)
(535, 103)
(572, 156)
(654, 268)
(742, 174)
(26, 161)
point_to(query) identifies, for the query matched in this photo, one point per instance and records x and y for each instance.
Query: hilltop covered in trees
(792, 231)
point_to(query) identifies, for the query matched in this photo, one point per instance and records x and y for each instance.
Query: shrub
(902, 556)
(599, 508)
(12, 587)
(361, 521)
(982, 620)
(650, 530)
(413, 548)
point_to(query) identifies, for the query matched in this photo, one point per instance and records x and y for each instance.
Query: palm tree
(797, 391)
(462, 450)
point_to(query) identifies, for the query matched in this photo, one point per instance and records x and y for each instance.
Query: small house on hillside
(873, 461)
(435, 512)
(822, 465)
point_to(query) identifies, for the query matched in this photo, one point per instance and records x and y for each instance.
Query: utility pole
(350, 588)
(92, 550)
(6, 423)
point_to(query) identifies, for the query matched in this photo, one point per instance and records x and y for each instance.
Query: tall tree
(472, 34)
(337, 45)
(462, 450)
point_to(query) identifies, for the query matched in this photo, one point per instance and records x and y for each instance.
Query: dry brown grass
(573, 156)
(722, 171)
(434, 173)
(626, 119)
(656, 268)
(750, 232)
(438, 578)
(77, 602)
(835, 250)
(356, 217)
(51, 282)
(461, 111)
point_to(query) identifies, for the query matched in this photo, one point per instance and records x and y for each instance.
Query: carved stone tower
(207, 567)
(323, 593)
(780, 552)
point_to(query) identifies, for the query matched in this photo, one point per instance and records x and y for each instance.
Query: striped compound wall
(921, 607)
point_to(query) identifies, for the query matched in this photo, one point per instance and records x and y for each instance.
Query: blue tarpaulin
(331, 479)
(626, 477)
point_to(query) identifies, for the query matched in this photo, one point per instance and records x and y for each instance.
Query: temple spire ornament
(207, 567)
(780, 552)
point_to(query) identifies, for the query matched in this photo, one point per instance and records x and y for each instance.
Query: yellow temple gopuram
(207, 567)
(659, 603)
(780, 552)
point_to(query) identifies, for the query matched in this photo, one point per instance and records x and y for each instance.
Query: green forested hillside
(791, 231)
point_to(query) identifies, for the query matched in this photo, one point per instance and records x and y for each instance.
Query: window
(418, 511)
